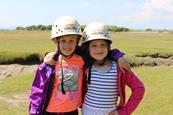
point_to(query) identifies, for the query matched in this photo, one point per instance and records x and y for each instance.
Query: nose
(67, 43)
(100, 47)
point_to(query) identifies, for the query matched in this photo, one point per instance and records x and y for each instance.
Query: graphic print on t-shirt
(71, 75)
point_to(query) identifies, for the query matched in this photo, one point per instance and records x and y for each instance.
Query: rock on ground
(15, 69)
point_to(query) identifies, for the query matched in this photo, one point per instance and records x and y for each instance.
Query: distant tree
(111, 27)
(29, 28)
(20, 28)
(117, 29)
(82, 27)
(148, 29)
(42, 27)
(125, 29)
(49, 27)
(33, 27)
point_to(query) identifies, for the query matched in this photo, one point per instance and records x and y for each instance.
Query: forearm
(36, 94)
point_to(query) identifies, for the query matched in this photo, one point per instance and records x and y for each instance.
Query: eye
(103, 45)
(72, 41)
(93, 46)
(62, 41)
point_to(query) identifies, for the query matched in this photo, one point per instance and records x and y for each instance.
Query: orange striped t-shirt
(73, 75)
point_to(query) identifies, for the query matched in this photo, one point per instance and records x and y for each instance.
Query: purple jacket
(39, 91)
(42, 85)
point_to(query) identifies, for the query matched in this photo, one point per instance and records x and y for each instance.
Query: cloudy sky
(134, 14)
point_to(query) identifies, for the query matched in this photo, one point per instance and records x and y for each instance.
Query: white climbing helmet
(65, 25)
(94, 31)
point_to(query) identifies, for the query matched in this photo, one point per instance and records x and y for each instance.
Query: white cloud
(128, 6)
(90, 4)
(85, 4)
(156, 10)
(158, 5)
(148, 11)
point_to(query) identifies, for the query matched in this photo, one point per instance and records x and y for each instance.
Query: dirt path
(15, 100)
(15, 69)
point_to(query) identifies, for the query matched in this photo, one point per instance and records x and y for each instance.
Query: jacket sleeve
(36, 95)
(136, 96)
(115, 54)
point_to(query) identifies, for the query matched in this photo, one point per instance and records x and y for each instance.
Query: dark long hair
(90, 60)
(87, 57)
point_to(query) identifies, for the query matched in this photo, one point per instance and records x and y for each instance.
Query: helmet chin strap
(66, 56)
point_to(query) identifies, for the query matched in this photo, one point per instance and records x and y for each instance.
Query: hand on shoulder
(48, 59)
(124, 65)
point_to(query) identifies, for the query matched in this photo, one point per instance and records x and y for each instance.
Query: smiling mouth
(67, 49)
(99, 53)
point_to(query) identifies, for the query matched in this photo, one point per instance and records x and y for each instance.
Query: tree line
(49, 27)
(35, 27)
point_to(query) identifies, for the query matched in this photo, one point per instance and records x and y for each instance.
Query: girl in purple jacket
(106, 81)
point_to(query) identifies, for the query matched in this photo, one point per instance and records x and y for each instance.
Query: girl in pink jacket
(105, 80)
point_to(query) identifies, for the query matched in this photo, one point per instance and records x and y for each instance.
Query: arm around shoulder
(118, 56)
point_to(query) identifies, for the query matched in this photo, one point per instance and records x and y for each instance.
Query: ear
(55, 41)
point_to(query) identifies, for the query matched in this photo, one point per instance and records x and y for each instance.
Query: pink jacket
(137, 91)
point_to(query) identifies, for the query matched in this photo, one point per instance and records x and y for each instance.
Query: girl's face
(98, 49)
(67, 44)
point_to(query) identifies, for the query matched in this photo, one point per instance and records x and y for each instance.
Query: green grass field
(9, 89)
(23, 43)
(158, 99)
(139, 42)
